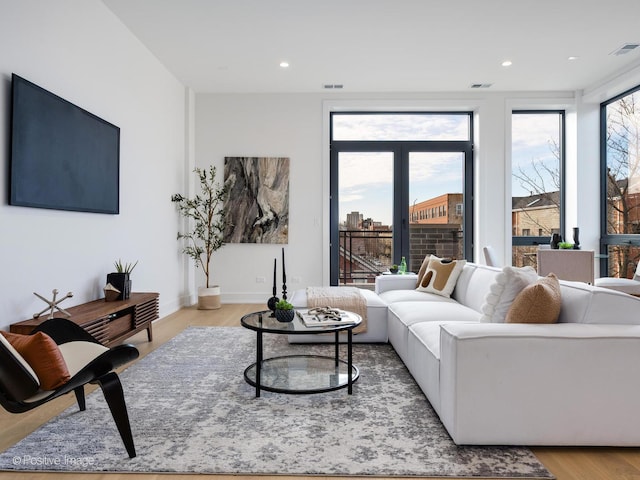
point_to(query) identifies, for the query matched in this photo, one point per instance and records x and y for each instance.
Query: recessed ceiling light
(507, 63)
(572, 58)
(284, 64)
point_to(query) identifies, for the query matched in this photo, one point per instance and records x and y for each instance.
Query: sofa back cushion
(583, 303)
(473, 285)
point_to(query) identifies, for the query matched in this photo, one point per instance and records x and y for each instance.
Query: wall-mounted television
(62, 157)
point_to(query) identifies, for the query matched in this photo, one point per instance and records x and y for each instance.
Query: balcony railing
(365, 254)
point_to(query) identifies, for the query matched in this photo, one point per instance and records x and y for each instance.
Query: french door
(394, 199)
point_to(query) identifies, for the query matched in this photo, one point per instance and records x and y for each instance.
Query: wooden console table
(109, 322)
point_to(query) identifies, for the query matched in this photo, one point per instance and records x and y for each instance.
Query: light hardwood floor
(564, 463)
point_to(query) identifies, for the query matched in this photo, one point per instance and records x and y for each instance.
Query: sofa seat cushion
(396, 296)
(428, 334)
(402, 315)
(423, 352)
(410, 313)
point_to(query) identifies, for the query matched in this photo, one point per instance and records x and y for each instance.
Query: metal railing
(364, 254)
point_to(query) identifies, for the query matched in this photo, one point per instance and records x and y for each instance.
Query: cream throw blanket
(344, 298)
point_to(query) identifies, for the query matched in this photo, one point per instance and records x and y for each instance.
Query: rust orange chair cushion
(43, 355)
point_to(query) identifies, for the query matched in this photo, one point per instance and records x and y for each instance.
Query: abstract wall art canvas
(258, 203)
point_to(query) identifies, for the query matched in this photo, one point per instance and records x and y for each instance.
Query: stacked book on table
(312, 318)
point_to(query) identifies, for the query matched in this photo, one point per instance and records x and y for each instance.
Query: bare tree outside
(536, 182)
(623, 179)
(540, 177)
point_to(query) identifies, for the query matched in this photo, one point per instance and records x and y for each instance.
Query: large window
(620, 154)
(400, 186)
(537, 162)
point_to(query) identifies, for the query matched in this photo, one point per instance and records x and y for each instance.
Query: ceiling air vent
(331, 86)
(481, 85)
(626, 48)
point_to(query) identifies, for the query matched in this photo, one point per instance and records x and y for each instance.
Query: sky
(366, 178)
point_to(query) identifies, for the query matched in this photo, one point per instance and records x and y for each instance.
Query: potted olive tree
(207, 217)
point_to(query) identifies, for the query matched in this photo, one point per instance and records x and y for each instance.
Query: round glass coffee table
(300, 373)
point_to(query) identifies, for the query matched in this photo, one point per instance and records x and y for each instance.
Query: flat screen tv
(62, 157)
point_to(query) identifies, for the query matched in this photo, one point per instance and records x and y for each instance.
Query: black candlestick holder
(271, 303)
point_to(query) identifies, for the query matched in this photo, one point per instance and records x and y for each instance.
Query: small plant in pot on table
(208, 220)
(284, 311)
(121, 278)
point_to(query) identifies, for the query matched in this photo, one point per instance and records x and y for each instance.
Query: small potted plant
(284, 311)
(393, 268)
(121, 278)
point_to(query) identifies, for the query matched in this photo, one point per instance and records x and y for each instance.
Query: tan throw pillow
(539, 302)
(440, 276)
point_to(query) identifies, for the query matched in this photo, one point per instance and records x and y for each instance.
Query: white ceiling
(385, 45)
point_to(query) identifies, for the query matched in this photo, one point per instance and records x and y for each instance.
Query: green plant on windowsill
(565, 245)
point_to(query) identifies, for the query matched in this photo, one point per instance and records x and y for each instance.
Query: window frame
(610, 239)
(400, 150)
(529, 240)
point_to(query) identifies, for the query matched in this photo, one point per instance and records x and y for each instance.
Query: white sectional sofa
(575, 382)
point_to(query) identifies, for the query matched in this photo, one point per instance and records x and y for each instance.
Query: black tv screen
(62, 157)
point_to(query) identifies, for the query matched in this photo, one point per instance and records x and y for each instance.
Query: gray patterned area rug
(192, 412)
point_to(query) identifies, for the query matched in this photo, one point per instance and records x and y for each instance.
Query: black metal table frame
(351, 378)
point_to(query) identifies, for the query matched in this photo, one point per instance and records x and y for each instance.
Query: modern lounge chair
(625, 285)
(87, 361)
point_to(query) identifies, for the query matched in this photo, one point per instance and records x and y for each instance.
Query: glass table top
(264, 322)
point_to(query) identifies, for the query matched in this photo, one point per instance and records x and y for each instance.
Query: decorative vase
(122, 282)
(556, 238)
(284, 316)
(576, 238)
(209, 298)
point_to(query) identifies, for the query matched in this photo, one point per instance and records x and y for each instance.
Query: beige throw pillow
(440, 276)
(539, 302)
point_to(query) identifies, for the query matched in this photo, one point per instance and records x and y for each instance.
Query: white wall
(79, 50)
(278, 126)
(296, 126)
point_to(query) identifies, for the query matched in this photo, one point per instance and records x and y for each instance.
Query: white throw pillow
(508, 284)
(440, 276)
